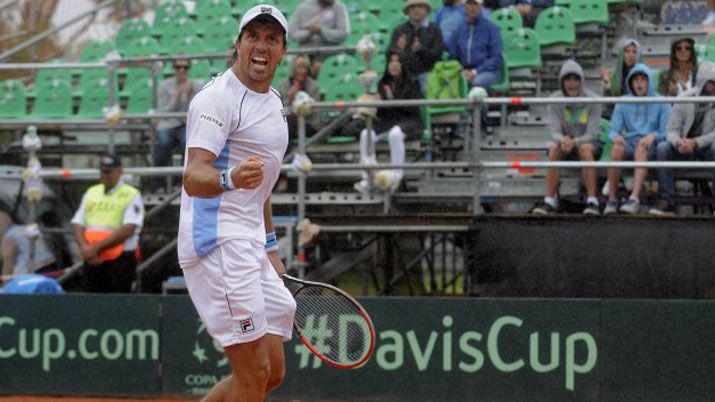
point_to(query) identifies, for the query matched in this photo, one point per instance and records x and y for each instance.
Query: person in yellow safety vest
(106, 227)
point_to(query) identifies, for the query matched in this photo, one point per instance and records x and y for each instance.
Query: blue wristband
(271, 242)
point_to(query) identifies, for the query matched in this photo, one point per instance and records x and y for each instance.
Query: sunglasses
(181, 68)
(683, 48)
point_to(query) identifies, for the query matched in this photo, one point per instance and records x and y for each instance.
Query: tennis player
(235, 139)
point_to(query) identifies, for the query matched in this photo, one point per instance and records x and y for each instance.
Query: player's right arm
(202, 180)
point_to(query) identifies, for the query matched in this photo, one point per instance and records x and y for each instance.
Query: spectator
(629, 53)
(690, 135)
(175, 93)
(419, 41)
(477, 45)
(15, 248)
(397, 123)
(680, 77)
(635, 130)
(106, 228)
(300, 80)
(449, 17)
(709, 22)
(574, 132)
(529, 9)
(318, 23)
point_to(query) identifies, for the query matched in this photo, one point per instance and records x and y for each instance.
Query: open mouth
(260, 61)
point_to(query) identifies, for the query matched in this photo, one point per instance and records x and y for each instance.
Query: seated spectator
(690, 136)
(680, 76)
(477, 45)
(449, 17)
(397, 123)
(175, 93)
(419, 41)
(635, 130)
(529, 9)
(300, 81)
(574, 132)
(318, 23)
(15, 248)
(629, 53)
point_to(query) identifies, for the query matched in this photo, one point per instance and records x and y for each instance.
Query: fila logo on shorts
(246, 325)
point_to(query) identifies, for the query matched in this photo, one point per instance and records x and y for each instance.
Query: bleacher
(582, 29)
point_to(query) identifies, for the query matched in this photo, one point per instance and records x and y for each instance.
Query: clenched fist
(249, 174)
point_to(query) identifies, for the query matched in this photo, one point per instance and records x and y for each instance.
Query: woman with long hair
(398, 123)
(680, 76)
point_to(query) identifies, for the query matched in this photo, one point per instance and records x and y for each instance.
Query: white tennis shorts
(239, 295)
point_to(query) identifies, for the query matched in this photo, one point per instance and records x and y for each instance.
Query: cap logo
(266, 10)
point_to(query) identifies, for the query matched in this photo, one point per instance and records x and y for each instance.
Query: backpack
(445, 81)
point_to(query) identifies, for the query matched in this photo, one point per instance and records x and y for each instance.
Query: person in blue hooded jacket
(477, 45)
(636, 128)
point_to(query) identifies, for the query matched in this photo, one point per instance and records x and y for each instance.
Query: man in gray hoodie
(574, 134)
(690, 135)
(318, 23)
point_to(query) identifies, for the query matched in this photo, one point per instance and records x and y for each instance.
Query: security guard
(106, 227)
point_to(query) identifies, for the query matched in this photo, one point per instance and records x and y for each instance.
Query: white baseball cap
(263, 10)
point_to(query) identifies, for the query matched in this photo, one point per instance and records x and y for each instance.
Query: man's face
(472, 11)
(571, 84)
(417, 13)
(260, 50)
(110, 176)
(639, 84)
(709, 88)
(181, 70)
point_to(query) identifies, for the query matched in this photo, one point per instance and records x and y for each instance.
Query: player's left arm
(274, 256)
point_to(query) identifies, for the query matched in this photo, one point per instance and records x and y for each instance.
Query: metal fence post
(475, 157)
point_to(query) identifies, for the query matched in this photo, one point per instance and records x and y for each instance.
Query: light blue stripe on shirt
(205, 215)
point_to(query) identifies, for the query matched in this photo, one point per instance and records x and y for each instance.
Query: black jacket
(432, 46)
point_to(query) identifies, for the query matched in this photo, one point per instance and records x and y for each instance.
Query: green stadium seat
(378, 63)
(96, 50)
(283, 71)
(173, 27)
(143, 47)
(555, 25)
(47, 77)
(94, 99)
(172, 9)
(135, 76)
(54, 101)
(140, 99)
(200, 71)
(12, 99)
(589, 11)
(183, 45)
(345, 88)
(129, 31)
(365, 23)
(507, 19)
(212, 9)
(221, 34)
(88, 78)
(522, 49)
(337, 66)
(503, 86)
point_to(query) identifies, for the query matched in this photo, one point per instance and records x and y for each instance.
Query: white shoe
(362, 187)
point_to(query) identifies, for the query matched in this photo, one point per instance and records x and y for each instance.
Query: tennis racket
(331, 323)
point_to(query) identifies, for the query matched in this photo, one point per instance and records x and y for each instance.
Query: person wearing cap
(636, 129)
(680, 76)
(174, 96)
(236, 137)
(317, 23)
(477, 45)
(418, 40)
(106, 228)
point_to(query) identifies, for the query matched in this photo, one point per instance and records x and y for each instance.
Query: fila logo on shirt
(246, 325)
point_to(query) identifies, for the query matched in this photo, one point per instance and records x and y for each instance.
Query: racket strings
(332, 324)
